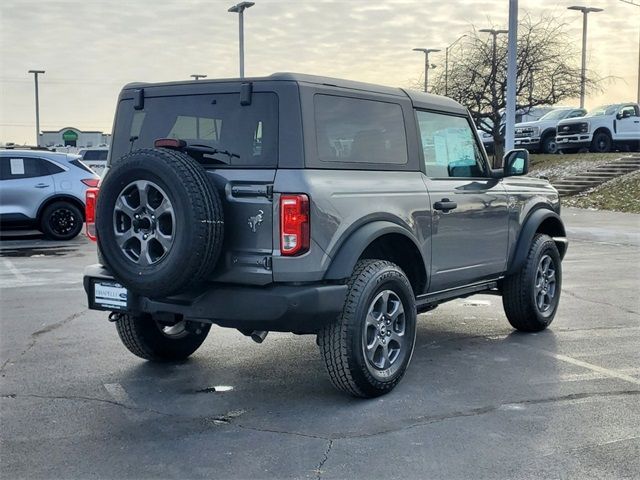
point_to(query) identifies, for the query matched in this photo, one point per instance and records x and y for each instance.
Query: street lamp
(446, 63)
(637, 4)
(35, 78)
(426, 51)
(583, 79)
(239, 9)
(197, 76)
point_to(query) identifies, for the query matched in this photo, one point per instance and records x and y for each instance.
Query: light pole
(239, 9)
(426, 51)
(446, 63)
(35, 78)
(494, 70)
(583, 79)
(512, 74)
(197, 76)
(637, 4)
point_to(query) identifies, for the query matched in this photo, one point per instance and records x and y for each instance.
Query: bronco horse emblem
(255, 221)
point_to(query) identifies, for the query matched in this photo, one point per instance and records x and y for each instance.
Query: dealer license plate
(109, 295)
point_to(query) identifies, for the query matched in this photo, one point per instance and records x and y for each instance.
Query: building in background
(73, 137)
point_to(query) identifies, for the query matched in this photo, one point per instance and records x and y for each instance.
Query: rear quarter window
(359, 131)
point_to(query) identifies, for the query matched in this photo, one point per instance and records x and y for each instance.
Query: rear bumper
(279, 307)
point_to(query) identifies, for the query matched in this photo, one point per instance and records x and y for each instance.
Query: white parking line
(590, 366)
(12, 268)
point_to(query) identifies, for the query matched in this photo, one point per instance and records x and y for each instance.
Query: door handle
(41, 185)
(445, 205)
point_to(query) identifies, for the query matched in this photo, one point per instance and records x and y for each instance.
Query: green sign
(70, 136)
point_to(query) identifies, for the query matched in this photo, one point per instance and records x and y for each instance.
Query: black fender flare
(528, 231)
(548, 131)
(351, 249)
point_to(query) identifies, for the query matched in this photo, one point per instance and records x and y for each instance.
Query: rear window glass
(95, 155)
(249, 133)
(79, 164)
(359, 131)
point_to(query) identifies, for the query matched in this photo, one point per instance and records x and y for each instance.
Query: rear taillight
(91, 198)
(90, 182)
(294, 224)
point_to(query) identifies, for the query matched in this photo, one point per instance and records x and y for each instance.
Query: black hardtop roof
(419, 99)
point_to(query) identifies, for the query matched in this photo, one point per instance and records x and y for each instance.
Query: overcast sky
(90, 48)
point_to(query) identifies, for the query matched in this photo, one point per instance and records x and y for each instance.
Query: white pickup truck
(601, 130)
(540, 135)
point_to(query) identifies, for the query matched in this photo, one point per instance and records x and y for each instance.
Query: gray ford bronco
(311, 205)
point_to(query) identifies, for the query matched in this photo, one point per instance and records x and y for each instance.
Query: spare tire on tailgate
(159, 222)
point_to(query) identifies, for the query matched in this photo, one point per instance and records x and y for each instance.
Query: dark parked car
(316, 206)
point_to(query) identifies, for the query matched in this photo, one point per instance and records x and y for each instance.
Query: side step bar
(430, 300)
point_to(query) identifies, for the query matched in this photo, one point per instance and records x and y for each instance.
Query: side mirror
(516, 162)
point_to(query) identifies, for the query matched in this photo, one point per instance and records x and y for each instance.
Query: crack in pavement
(598, 302)
(35, 335)
(85, 399)
(323, 460)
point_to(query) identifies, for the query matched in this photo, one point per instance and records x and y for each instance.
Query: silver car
(44, 190)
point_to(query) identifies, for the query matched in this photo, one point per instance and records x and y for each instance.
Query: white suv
(540, 135)
(602, 129)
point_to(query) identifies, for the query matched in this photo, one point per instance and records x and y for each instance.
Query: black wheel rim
(173, 331)
(144, 223)
(384, 336)
(545, 285)
(63, 221)
(602, 143)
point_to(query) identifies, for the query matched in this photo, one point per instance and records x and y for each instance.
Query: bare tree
(548, 73)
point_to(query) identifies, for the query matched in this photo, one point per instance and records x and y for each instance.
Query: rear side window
(359, 131)
(79, 164)
(13, 168)
(249, 133)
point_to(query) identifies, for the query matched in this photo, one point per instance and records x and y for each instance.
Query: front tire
(549, 144)
(152, 340)
(531, 296)
(368, 348)
(61, 221)
(601, 143)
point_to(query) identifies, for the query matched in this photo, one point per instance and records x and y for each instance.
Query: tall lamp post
(512, 74)
(446, 63)
(197, 76)
(239, 9)
(35, 78)
(583, 78)
(426, 51)
(637, 4)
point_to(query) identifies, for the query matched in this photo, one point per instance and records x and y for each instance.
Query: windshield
(556, 114)
(603, 110)
(249, 132)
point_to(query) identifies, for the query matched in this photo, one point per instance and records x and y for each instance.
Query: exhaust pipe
(258, 336)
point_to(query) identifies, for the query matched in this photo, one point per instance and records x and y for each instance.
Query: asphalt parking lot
(478, 401)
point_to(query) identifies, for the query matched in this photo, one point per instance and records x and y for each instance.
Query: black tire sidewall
(185, 257)
(546, 248)
(152, 344)
(596, 140)
(46, 216)
(392, 278)
(545, 141)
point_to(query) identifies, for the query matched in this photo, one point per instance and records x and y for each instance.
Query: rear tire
(147, 338)
(61, 221)
(531, 296)
(368, 348)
